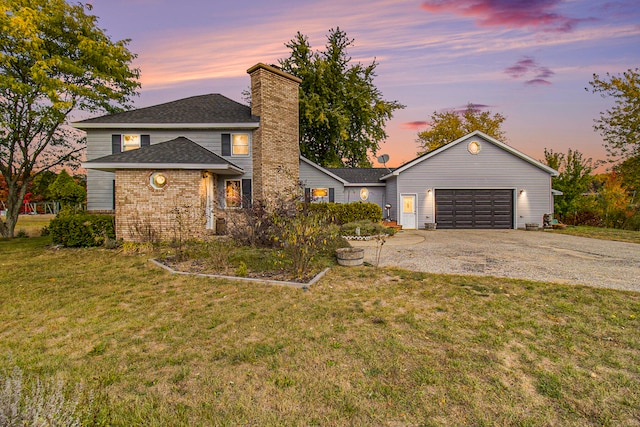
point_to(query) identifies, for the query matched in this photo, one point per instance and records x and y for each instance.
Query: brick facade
(276, 150)
(175, 211)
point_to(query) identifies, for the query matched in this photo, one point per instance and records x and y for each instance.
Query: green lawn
(602, 233)
(364, 346)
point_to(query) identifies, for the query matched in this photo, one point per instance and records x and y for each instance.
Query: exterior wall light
(523, 191)
(158, 180)
(474, 147)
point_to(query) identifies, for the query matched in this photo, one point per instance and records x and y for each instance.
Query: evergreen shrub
(82, 229)
(343, 213)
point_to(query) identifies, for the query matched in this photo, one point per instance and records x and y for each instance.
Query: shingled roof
(179, 153)
(203, 109)
(360, 175)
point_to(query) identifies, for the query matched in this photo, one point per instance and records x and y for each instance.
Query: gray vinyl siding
(376, 194)
(492, 168)
(100, 190)
(392, 198)
(314, 178)
(100, 184)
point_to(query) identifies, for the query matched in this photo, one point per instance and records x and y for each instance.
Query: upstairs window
(126, 142)
(130, 142)
(236, 144)
(240, 144)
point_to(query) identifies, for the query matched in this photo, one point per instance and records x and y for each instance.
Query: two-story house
(207, 153)
(201, 156)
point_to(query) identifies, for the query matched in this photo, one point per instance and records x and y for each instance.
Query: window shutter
(145, 140)
(226, 144)
(331, 195)
(307, 195)
(116, 144)
(246, 193)
(113, 201)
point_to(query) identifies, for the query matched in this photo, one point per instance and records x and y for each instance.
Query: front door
(210, 189)
(408, 215)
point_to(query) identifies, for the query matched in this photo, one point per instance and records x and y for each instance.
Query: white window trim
(319, 201)
(248, 134)
(123, 137)
(226, 181)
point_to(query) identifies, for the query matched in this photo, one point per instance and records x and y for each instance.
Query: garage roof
(360, 176)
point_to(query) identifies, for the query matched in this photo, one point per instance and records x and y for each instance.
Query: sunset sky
(527, 59)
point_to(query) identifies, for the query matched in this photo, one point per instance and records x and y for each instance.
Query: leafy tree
(342, 113)
(40, 185)
(447, 126)
(629, 173)
(574, 179)
(614, 202)
(54, 59)
(66, 190)
(620, 125)
(3, 190)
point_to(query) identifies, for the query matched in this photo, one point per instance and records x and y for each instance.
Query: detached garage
(473, 182)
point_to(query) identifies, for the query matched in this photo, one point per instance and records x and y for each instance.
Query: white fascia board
(394, 173)
(80, 125)
(323, 170)
(516, 153)
(110, 167)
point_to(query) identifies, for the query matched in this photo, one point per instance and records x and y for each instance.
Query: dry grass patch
(365, 346)
(32, 224)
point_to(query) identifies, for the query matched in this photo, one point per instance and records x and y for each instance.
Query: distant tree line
(49, 186)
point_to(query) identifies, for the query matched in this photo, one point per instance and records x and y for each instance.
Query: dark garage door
(474, 208)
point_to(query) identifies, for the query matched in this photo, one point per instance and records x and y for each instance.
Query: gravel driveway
(541, 256)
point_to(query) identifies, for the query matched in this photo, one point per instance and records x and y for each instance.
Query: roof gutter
(249, 125)
(111, 167)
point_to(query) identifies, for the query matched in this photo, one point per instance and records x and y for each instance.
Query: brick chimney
(276, 150)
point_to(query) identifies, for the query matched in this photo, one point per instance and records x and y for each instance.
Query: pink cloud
(528, 67)
(414, 125)
(521, 67)
(537, 14)
(537, 82)
(463, 108)
(544, 72)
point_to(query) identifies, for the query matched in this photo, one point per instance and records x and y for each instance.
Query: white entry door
(408, 215)
(210, 188)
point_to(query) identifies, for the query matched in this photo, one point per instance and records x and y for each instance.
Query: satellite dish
(383, 159)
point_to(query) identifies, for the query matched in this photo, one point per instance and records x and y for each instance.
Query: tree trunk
(14, 202)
